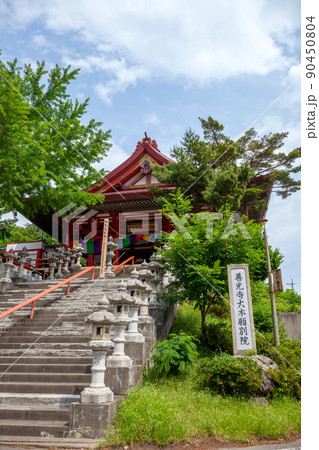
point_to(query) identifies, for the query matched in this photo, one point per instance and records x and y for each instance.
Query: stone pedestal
(136, 351)
(91, 420)
(121, 379)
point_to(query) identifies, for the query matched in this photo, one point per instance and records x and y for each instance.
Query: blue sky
(158, 66)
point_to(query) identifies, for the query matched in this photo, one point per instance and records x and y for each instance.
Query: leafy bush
(287, 354)
(226, 375)
(286, 301)
(287, 381)
(175, 354)
(219, 336)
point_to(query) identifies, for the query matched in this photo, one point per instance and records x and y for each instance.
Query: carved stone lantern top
(154, 264)
(121, 297)
(134, 283)
(101, 318)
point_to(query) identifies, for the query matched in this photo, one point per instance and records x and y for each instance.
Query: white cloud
(186, 41)
(152, 119)
(39, 40)
(115, 157)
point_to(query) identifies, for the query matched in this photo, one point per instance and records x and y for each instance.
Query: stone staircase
(44, 362)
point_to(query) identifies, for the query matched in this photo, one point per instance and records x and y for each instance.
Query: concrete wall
(292, 324)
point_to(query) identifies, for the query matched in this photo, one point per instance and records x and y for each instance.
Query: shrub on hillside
(174, 355)
(287, 381)
(219, 336)
(287, 354)
(286, 301)
(226, 375)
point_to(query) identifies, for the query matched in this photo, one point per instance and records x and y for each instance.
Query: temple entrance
(140, 251)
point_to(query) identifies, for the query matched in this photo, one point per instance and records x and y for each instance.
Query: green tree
(28, 233)
(200, 249)
(218, 170)
(46, 150)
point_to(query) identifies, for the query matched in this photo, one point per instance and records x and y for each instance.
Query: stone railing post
(100, 344)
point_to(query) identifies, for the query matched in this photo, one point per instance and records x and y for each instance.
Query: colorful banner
(127, 241)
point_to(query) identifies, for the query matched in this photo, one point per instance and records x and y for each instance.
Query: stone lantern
(135, 288)
(6, 282)
(109, 259)
(65, 270)
(155, 268)
(120, 301)
(23, 258)
(73, 258)
(78, 265)
(100, 344)
(145, 276)
(53, 263)
(59, 273)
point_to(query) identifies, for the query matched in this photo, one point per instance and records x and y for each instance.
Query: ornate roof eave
(147, 146)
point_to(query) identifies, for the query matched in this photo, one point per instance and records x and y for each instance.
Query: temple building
(135, 222)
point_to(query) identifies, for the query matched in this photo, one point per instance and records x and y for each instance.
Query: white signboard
(241, 308)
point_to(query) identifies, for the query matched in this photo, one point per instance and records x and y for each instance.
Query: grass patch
(170, 411)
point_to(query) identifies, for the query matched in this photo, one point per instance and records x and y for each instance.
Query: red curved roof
(115, 180)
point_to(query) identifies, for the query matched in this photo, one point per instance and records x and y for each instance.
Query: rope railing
(47, 291)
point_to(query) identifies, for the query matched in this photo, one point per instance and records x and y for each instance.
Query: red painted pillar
(90, 260)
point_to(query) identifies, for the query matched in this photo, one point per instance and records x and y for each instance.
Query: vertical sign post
(278, 285)
(103, 248)
(241, 309)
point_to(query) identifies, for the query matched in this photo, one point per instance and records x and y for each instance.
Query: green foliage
(227, 375)
(218, 336)
(188, 321)
(286, 355)
(171, 411)
(29, 233)
(287, 382)
(46, 151)
(286, 301)
(220, 171)
(198, 253)
(174, 355)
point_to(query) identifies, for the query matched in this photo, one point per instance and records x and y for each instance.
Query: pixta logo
(230, 229)
(67, 221)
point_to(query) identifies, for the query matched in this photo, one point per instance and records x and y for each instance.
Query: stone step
(49, 443)
(42, 388)
(14, 400)
(33, 427)
(34, 413)
(53, 377)
(45, 352)
(17, 340)
(43, 345)
(34, 360)
(46, 368)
